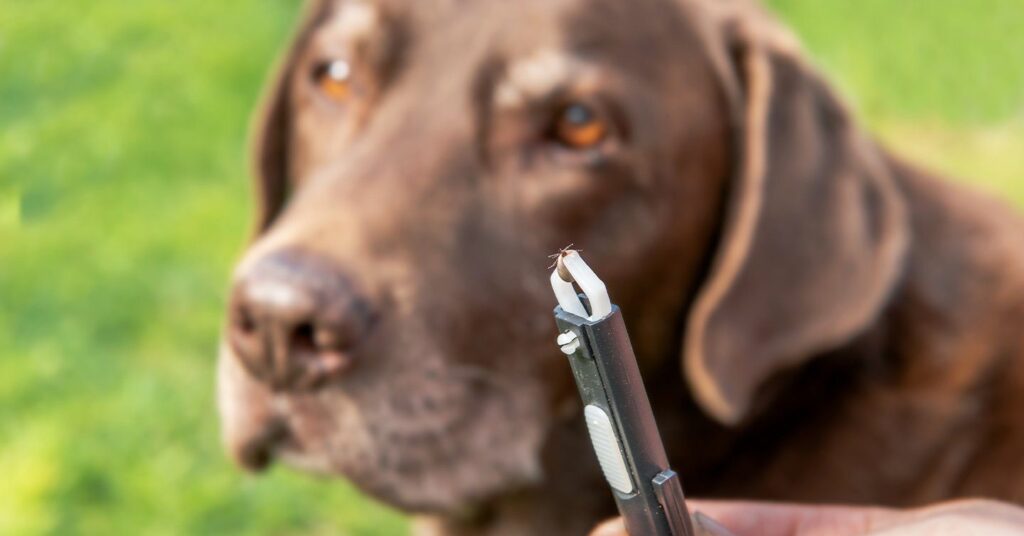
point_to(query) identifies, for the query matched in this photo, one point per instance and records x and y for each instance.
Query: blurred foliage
(123, 201)
(940, 81)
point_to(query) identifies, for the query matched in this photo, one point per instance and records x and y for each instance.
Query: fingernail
(706, 526)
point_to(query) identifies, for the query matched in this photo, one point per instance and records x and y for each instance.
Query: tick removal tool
(618, 414)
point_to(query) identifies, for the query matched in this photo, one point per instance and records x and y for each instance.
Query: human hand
(739, 518)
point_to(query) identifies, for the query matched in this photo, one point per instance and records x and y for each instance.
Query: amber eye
(334, 79)
(578, 126)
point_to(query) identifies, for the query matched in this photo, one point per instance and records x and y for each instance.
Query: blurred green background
(124, 200)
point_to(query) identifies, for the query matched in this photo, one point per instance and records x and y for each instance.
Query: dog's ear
(813, 237)
(272, 125)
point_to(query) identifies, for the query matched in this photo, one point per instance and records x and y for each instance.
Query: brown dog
(816, 320)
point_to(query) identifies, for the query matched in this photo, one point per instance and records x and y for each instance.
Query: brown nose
(295, 319)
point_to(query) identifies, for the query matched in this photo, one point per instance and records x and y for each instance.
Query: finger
(773, 519)
(965, 516)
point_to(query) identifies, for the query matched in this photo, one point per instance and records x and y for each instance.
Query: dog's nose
(295, 319)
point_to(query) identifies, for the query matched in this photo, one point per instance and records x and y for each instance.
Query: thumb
(702, 524)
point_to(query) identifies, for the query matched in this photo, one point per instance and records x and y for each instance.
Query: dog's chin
(453, 488)
(431, 440)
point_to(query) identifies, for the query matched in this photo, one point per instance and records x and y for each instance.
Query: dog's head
(417, 162)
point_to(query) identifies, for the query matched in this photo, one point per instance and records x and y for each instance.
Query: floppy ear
(813, 237)
(272, 126)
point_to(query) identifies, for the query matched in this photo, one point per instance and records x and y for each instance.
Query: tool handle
(622, 427)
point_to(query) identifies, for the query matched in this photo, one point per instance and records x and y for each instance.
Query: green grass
(124, 200)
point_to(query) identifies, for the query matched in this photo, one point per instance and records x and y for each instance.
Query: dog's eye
(579, 126)
(334, 79)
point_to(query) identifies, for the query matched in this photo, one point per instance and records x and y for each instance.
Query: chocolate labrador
(816, 320)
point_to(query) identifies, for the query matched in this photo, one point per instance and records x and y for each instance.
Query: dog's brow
(358, 20)
(534, 76)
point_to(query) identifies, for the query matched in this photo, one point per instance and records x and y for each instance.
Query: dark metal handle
(608, 377)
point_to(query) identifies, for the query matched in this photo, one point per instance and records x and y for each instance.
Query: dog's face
(418, 163)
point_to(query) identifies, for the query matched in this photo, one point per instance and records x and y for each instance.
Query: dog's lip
(259, 452)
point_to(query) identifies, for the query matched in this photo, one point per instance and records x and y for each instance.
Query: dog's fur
(816, 320)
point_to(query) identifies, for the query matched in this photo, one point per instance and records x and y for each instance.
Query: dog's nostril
(244, 336)
(319, 353)
(244, 321)
(303, 341)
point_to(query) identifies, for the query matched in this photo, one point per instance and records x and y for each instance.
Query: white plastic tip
(593, 288)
